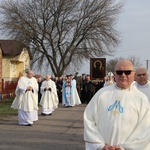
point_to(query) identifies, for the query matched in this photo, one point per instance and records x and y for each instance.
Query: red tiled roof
(12, 47)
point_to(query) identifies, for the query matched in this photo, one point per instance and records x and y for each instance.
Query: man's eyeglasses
(141, 74)
(126, 72)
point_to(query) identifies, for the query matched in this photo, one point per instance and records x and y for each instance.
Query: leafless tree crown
(62, 32)
(112, 63)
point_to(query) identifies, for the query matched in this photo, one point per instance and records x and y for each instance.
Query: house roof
(12, 47)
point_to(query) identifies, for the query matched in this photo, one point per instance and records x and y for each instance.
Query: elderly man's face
(30, 74)
(141, 76)
(48, 77)
(124, 74)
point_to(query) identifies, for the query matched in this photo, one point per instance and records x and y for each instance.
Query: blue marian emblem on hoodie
(116, 108)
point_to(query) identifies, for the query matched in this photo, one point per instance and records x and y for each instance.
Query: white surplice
(49, 100)
(117, 117)
(26, 101)
(70, 96)
(144, 88)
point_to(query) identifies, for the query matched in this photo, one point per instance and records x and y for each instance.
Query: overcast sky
(134, 27)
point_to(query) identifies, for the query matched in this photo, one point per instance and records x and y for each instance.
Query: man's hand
(47, 88)
(107, 147)
(117, 147)
(29, 88)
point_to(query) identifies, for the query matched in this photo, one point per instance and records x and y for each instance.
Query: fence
(8, 89)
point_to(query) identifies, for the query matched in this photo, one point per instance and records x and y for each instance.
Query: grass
(5, 108)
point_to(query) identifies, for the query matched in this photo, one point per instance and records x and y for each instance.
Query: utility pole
(147, 64)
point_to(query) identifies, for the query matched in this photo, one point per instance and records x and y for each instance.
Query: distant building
(14, 60)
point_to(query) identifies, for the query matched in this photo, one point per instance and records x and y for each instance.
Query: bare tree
(135, 60)
(61, 33)
(112, 63)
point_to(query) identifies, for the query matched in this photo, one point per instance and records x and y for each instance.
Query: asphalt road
(61, 131)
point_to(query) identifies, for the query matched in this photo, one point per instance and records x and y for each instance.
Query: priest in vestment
(66, 92)
(117, 117)
(142, 82)
(70, 96)
(75, 95)
(49, 100)
(26, 100)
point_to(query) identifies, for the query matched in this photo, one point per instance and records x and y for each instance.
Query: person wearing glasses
(142, 82)
(117, 117)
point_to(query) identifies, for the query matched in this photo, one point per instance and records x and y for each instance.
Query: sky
(134, 27)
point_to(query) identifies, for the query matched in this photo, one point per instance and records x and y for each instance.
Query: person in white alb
(110, 79)
(26, 100)
(70, 97)
(49, 100)
(117, 117)
(142, 82)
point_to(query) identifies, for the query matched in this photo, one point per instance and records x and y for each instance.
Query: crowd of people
(118, 107)
(49, 92)
(79, 86)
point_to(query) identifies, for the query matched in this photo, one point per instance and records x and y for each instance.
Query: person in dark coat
(83, 93)
(89, 89)
(59, 84)
(39, 92)
(99, 85)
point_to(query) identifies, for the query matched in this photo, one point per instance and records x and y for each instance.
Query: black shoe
(28, 125)
(43, 114)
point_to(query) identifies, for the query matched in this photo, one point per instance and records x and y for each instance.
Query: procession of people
(110, 101)
(48, 92)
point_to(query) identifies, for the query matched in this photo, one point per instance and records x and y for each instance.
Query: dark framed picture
(97, 68)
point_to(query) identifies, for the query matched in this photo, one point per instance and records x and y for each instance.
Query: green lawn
(5, 109)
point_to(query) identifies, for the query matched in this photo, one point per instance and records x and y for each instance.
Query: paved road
(61, 131)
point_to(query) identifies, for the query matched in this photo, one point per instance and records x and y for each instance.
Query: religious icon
(97, 68)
